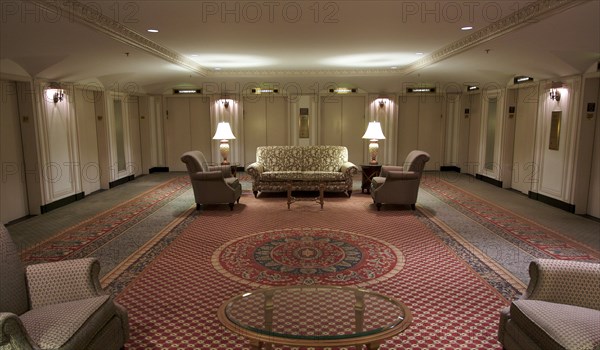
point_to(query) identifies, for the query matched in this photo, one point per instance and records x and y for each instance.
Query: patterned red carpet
(173, 301)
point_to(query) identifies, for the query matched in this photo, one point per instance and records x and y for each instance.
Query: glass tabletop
(316, 312)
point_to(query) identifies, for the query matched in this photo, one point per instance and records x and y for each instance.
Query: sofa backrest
(302, 158)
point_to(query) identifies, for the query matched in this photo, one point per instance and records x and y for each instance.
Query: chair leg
(349, 193)
(378, 206)
(255, 193)
(231, 206)
(198, 206)
(413, 207)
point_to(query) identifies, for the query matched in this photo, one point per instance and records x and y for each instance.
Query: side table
(369, 171)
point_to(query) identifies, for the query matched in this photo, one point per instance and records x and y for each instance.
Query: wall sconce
(55, 92)
(58, 96)
(382, 102)
(555, 90)
(225, 103)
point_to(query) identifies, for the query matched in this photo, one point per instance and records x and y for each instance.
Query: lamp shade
(223, 132)
(374, 132)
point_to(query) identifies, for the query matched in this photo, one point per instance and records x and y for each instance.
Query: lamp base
(373, 149)
(224, 148)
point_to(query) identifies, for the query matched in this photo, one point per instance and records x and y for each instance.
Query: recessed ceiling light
(466, 28)
(152, 30)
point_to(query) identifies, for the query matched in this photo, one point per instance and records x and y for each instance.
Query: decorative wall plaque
(555, 130)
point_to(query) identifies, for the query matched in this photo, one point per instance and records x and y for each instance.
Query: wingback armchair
(211, 184)
(57, 305)
(399, 184)
(559, 310)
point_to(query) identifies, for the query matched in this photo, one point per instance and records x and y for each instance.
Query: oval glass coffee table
(314, 316)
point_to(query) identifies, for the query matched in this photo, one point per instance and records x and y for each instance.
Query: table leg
(373, 346)
(289, 195)
(256, 345)
(321, 190)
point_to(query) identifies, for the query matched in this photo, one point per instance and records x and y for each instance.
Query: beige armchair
(211, 184)
(399, 184)
(559, 310)
(57, 305)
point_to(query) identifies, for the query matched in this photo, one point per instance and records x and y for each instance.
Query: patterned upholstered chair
(57, 305)
(399, 184)
(559, 310)
(211, 184)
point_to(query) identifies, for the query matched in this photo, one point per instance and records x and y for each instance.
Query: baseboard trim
(552, 201)
(121, 181)
(489, 180)
(450, 168)
(61, 202)
(158, 169)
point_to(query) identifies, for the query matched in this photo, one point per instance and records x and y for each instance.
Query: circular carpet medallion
(308, 256)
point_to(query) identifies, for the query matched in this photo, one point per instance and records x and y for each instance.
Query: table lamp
(224, 134)
(373, 134)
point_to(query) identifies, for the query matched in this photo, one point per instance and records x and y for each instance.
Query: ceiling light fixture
(258, 91)
(424, 89)
(343, 90)
(187, 91)
(522, 79)
(151, 30)
(472, 87)
(466, 28)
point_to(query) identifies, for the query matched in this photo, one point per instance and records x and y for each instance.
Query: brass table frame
(258, 340)
(291, 199)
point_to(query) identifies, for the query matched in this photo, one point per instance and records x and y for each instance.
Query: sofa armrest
(62, 281)
(349, 168)
(387, 168)
(255, 169)
(564, 282)
(13, 332)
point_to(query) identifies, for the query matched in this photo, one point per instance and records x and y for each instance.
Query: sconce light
(58, 96)
(555, 90)
(373, 134)
(382, 102)
(225, 103)
(55, 92)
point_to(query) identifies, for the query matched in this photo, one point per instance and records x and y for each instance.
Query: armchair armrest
(207, 176)
(401, 175)
(224, 169)
(564, 282)
(349, 168)
(12, 332)
(62, 281)
(255, 169)
(387, 168)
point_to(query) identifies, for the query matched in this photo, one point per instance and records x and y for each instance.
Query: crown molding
(532, 13)
(89, 16)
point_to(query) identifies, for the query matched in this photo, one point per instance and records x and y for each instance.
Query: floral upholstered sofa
(305, 168)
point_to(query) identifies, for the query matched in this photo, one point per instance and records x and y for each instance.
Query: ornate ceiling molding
(91, 17)
(532, 13)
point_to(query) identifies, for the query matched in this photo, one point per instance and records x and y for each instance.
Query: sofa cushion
(558, 326)
(280, 158)
(51, 326)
